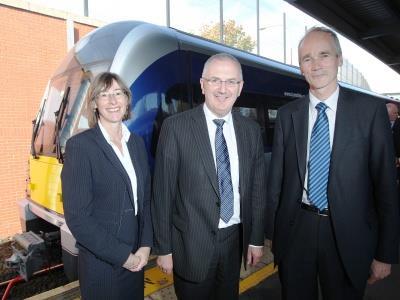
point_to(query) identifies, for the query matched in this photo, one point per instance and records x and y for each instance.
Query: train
(162, 67)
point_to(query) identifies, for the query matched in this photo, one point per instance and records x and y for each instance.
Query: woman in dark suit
(106, 192)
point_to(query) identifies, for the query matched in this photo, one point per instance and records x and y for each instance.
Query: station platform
(159, 286)
(258, 283)
(387, 289)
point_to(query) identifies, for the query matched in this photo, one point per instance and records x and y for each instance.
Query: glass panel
(44, 141)
(247, 112)
(272, 115)
(76, 119)
(59, 114)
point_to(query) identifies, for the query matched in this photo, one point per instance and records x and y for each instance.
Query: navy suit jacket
(396, 136)
(97, 192)
(362, 190)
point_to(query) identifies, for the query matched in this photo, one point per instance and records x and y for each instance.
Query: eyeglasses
(106, 95)
(215, 81)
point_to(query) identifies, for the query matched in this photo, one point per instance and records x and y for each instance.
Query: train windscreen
(55, 125)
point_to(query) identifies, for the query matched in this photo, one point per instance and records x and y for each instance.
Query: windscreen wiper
(60, 114)
(35, 127)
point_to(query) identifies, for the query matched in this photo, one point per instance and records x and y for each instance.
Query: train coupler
(28, 254)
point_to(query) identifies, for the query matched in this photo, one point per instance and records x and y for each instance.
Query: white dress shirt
(331, 103)
(230, 138)
(124, 158)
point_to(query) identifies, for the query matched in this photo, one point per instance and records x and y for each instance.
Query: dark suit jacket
(361, 190)
(98, 205)
(186, 198)
(396, 136)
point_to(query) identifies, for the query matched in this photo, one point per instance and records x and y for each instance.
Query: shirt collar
(331, 101)
(210, 116)
(125, 133)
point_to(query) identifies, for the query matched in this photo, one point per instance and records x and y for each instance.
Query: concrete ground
(387, 289)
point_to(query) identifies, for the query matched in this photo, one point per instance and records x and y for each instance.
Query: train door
(262, 109)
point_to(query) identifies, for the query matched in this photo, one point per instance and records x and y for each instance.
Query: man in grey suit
(333, 181)
(209, 189)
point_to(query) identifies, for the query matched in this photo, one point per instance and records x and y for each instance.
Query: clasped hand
(379, 270)
(138, 260)
(165, 263)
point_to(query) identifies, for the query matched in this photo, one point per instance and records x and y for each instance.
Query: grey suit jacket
(186, 202)
(362, 191)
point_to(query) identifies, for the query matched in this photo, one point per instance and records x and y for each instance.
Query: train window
(253, 105)
(83, 123)
(147, 104)
(175, 100)
(272, 113)
(54, 129)
(248, 112)
(44, 140)
(77, 117)
(270, 127)
(195, 69)
(198, 97)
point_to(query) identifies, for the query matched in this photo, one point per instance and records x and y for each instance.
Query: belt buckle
(320, 212)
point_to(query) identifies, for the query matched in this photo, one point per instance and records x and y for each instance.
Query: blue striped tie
(320, 155)
(223, 173)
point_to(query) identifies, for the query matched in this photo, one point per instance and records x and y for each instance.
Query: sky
(191, 15)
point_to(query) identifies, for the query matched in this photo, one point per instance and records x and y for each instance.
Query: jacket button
(291, 222)
(218, 204)
(213, 232)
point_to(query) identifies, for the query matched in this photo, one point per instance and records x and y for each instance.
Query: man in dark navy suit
(393, 112)
(333, 182)
(209, 189)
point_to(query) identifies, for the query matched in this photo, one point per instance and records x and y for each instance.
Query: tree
(234, 35)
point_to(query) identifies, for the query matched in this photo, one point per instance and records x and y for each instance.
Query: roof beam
(373, 34)
(394, 61)
(379, 31)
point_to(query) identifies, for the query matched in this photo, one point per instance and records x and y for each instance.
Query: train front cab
(42, 210)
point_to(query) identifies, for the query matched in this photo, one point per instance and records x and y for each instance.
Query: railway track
(53, 284)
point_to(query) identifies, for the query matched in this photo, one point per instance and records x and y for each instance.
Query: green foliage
(234, 35)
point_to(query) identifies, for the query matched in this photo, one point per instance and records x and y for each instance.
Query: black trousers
(313, 261)
(222, 281)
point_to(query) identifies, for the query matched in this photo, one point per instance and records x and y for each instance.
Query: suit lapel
(343, 126)
(300, 127)
(242, 143)
(132, 146)
(113, 158)
(200, 133)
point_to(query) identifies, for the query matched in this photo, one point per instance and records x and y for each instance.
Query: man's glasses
(215, 81)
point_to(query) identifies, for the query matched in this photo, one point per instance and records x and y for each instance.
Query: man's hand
(379, 270)
(165, 263)
(143, 253)
(254, 255)
(132, 262)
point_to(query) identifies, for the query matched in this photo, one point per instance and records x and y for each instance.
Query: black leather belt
(321, 212)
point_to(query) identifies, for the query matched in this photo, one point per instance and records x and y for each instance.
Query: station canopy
(372, 24)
